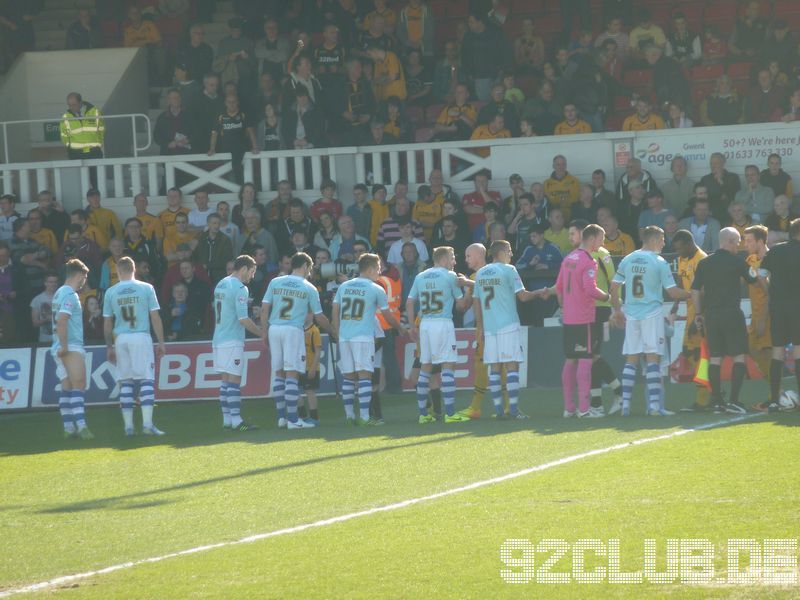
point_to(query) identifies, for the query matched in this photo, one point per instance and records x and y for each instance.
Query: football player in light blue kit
(129, 308)
(437, 289)
(67, 350)
(498, 286)
(286, 304)
(231, 321)
(354, 308)
(646, 276)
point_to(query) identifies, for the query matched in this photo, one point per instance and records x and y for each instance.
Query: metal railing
(132, 116)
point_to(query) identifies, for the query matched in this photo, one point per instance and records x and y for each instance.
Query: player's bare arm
(108, 334)
(412, 319)
(325, 325)
(61, 331)
(392, 320)
(158, 328)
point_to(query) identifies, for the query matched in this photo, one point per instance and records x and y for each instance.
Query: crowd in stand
(189, 246)
(307, 74)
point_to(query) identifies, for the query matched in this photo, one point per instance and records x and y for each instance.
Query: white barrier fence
(120, 179)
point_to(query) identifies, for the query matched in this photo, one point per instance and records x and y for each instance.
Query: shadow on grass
(197, 424)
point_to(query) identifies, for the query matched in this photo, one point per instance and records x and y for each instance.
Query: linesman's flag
(701, 376)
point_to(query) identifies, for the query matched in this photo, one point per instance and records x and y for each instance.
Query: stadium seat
(784, 8)
(723, 25)
(693, 13)
(707, 72)
(701, 92)
(614, 122)
(457, 9)
(638, 77)
(423, 134)
(432, 112)
(416, 114)
(622, 104)
(740, 70)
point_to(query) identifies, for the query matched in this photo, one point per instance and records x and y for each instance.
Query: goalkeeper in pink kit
(577, 291)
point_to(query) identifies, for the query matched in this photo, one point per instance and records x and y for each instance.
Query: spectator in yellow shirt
(90, 232)
(380, 211)
(427, 211)
(561, 188)
(643, 119)
(457, 120)
(152, 227)
(174, 208)
(493, 130)
(387, 76)
(140, 33)
(646, 33)
(557, 233)
(180, 242)
(39, 234)
(104, 219)
(618, 243)
(571, 124)
(381, 10)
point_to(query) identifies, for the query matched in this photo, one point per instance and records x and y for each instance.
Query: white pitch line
(66, 579)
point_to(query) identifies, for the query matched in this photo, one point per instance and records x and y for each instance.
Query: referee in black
(782, 264)
(716, 294)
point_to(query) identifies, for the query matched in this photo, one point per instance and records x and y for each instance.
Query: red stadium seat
(786, 7)
(622, 104)
(614, 122)
(701, 92)
(740, 70)
(423, 134)
(719, 10)
(416, 114)
(723, 25)
(707, 72)
(638, 77)
(432, 112)
(693, 14)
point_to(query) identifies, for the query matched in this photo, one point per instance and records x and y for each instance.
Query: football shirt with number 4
(230, 306)
(290, 297)
(130, 303)
(646, 275)
(496, 287)
(359, 300)
(437, 289)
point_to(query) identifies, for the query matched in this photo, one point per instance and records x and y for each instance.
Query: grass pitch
(72, 507)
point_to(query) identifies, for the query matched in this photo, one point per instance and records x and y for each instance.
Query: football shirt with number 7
(496, 287)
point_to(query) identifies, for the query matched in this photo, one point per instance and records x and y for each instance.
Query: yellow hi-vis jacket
(83, 132)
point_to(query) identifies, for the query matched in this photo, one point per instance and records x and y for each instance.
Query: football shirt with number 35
(496, 287)
(130, 303)
(436, 289)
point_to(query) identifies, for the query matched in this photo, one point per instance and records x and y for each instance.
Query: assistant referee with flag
(716, 295)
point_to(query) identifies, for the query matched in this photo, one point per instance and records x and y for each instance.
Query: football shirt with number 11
(230, 305)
